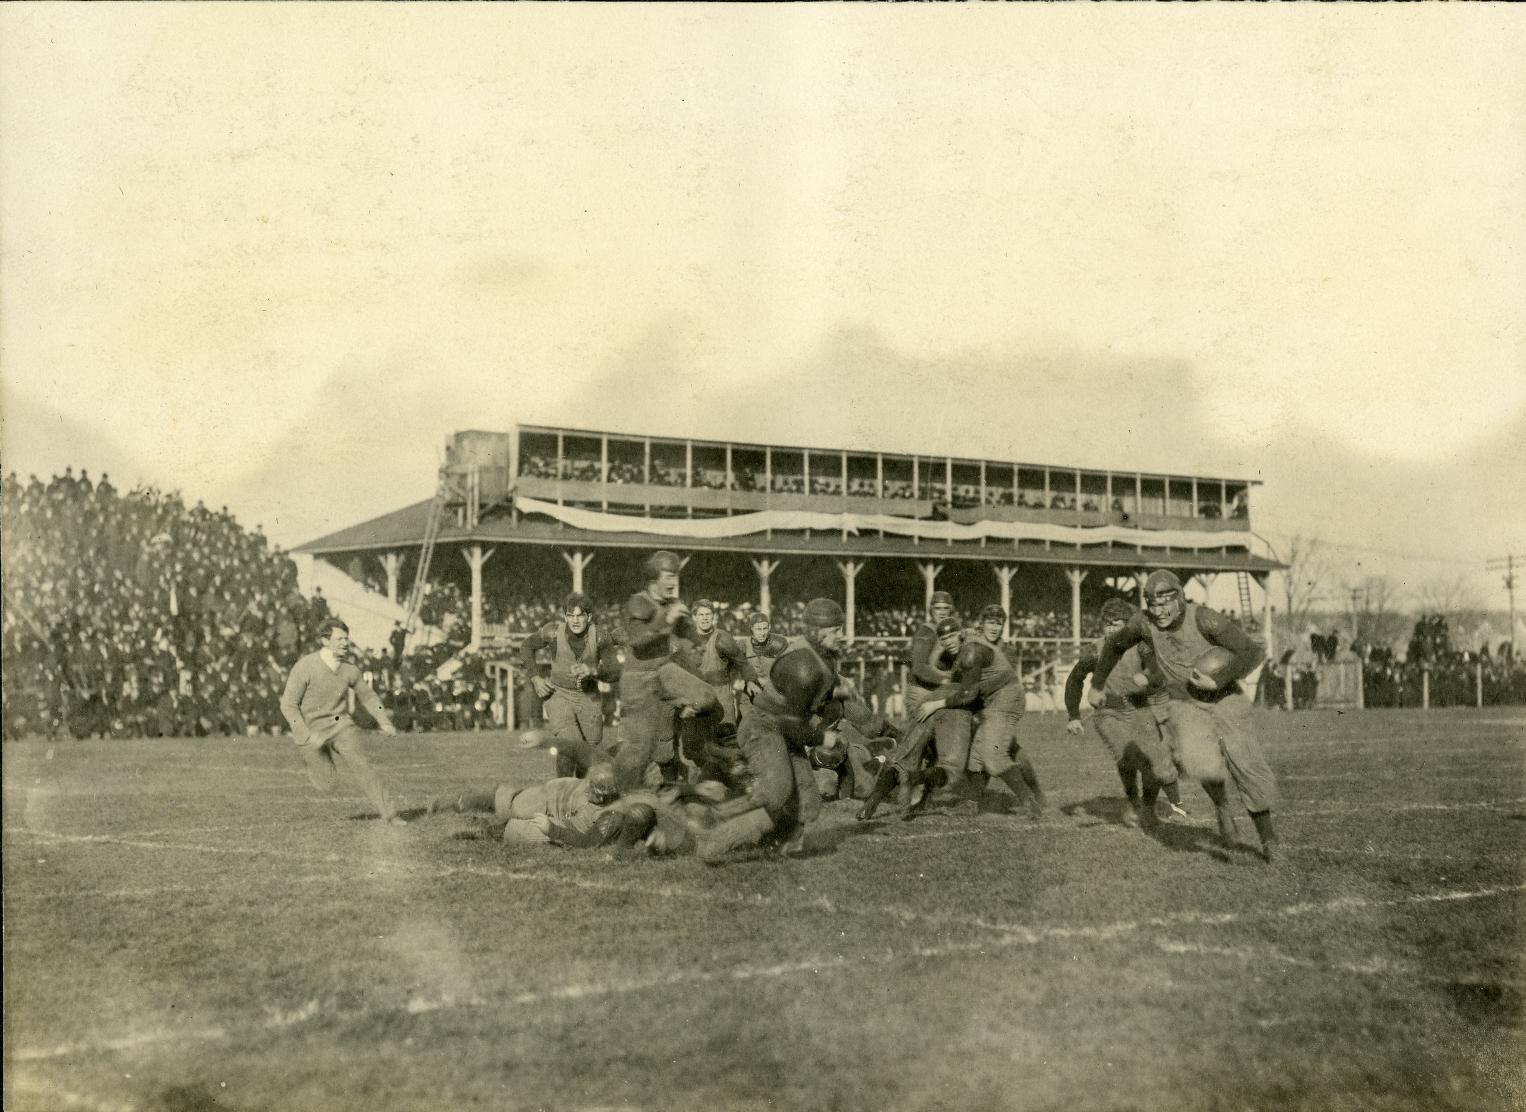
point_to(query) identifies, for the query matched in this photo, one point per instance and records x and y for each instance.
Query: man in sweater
(316, 706)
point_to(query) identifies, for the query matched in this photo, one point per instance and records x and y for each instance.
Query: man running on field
(1209, 715)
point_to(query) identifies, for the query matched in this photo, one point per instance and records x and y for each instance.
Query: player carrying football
(1203, 656)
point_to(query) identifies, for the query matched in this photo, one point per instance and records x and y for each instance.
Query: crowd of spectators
(964, 495)
(1430, 670)
(137, 614)
(133, 614)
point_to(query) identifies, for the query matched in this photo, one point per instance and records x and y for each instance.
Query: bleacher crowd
(962, 495)
(133, 614)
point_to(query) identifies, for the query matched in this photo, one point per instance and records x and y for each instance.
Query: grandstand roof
(404, 528)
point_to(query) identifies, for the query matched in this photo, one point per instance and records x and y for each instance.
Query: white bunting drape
(742, 525)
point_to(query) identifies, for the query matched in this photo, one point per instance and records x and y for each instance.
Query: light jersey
(568, 803)
(1176, 650)
(561, 664)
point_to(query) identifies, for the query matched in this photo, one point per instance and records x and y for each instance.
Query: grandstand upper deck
(664, 477)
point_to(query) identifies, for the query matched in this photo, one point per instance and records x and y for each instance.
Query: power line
(1458, 560)
(1507, 564)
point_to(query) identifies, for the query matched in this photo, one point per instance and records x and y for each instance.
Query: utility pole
(1507, 565)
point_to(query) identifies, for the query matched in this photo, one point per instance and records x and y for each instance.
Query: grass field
(188, 926)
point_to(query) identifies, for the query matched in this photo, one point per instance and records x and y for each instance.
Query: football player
(1131, 721)
(1203, 656)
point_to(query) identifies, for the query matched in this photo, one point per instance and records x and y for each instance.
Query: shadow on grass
(1108, 810)
(193, 1098)
(409, 815)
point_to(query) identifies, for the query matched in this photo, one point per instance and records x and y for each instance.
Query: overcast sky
(274, 255)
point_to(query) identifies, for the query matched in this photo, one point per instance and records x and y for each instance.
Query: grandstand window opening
(582, 458)
(1179, 497)
(627, 460)
(966, 484)
(749, 467)
(999, 484)
(1032, 488)
(538, 457)
(932, 478)
(1210, 500)
(1064, 492)
(1094, 493)
(1152, 497)
(709, 467)
(899, 477)
(669, 464)
(1236, 501)
(863, 476)
(787, 471)
(826, 473)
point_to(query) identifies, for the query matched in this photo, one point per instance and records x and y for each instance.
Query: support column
(577, 561)
(764, 568)
(475, 558)
(1004, 574)
(1140, 575)
(850, 570)
(1265, 579)
(930, 581)
(392, 563)
(1077, 576)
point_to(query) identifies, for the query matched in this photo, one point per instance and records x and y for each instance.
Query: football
(1211, 670)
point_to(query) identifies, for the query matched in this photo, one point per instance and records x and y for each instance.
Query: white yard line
(1010, 936)
(1321, 807)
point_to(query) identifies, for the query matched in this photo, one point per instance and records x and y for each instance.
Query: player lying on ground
(315, 703)
(1132, 721)
(1203, 656)
(848, 761)
(567, 810)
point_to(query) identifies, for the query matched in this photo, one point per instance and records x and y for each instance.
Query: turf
(189, 926)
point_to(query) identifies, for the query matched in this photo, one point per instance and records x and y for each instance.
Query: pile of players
(725, 746)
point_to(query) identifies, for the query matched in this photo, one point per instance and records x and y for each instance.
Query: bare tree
(1453, 598)
(1302, 584)
(1376, 618)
